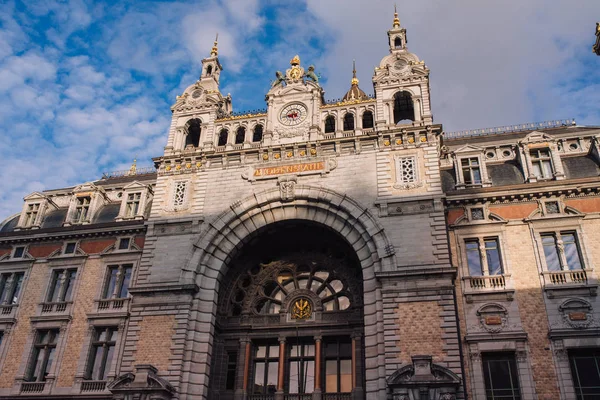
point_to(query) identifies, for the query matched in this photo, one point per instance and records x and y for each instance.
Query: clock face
(293, 114)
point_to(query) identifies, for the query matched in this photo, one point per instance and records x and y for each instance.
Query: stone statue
(311, 74)
(280, 78)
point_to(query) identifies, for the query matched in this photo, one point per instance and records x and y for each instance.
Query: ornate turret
(211, 67)
(355, 93)
(397, 35)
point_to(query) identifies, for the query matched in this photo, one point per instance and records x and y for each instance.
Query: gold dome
(355, 93)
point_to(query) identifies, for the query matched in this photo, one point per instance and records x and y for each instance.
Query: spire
(215, 51)
(396, 20)
(354, 80)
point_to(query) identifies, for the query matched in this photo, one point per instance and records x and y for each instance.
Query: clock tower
(293, 105)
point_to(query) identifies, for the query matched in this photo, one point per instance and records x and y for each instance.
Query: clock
(293, 114)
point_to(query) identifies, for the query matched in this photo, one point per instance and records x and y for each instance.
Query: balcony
(55, 308)
(93, 386)
(32, 387)
(487, 284)
(578, 276)
(572, 282)
(8, 311)
(324, 396)
(104, 306)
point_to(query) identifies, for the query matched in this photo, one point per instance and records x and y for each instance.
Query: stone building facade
(316, 250)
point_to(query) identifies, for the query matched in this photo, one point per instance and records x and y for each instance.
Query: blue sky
(86, 86)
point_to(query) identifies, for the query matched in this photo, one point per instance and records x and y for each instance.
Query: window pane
(547, 169)
(3, 286)
(54, 286)
(50, 353)
(69, 283)
(345, 376)
(97, 363)
(109, 357)
(331, 376)
(259, 377)
(500, 376)
(473, 258)
(110, 285)
(571, 251)
(586, 373)
(493, 257)
(537, 171)
(17, 287)
(476, 175)
(550, 252)
(273, 369)
(37, 357)
(125, 286)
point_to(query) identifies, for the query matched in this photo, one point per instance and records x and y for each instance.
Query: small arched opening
(240, 135)
(367, 120)
(258, 133)
(193, 129)
(209, 70)
(403, 107)
(330, 124)
(397, 42)
(348, 122)
(222, 137)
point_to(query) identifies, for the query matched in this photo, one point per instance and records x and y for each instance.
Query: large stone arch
(226, 234)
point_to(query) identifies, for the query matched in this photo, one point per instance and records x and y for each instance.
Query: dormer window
(471, 170)
(18, 252)
(82, 209)
(133, 204)
(124, 243)
(541, 163)
(31, 214)
(70, 248)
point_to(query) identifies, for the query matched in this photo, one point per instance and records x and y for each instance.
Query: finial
(396, 20)
(133, 168)
(215, 51)
(295, 60)
(354, 80)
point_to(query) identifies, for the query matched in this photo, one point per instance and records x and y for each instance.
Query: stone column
(281, 371)
(317, 392)
(241, 384)
(357, 365)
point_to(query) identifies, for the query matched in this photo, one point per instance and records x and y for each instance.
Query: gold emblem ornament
(301, 309)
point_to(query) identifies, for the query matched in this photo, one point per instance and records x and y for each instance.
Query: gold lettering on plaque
(301, 309)
(290, 169)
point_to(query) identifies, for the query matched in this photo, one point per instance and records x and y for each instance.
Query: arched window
(257, 134)
(209, 70)
(398, 42)
(240, 135)
(403, 107)
(223, 137)
(330, 124)
(293, 280)
(367, 120)
(349, 122)
(192, 128)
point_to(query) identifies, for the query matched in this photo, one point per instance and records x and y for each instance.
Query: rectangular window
(117, 284)
(124, 243)
(338, 366)
(492, 260)
(302, 368)
(10, 287)
(82, 209)
(101, 353)
(541, 163)
(70, 248)
(501, 376)
(19, 252)
(231, 370)
(471, 171)
(133, 204)
(552, 244)
(31, 214)
(179, 195)
(61, 285)
(407, 170)
(44, 348)
(585, 370)
(266, 365)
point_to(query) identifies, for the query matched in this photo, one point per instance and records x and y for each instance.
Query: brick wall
(419, 328)
(155, 340)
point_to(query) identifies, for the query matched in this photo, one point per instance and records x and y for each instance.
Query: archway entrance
(290, 317)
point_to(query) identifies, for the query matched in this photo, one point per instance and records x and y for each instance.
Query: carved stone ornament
(577, 314)
(409, 381)
(287, 187)
(144, 384)
(492, 317)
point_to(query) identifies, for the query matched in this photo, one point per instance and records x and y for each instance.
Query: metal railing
(510, 128)
(487, 282)
(297, 397)
(93, 386)
(565, 277)
(128, 172)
